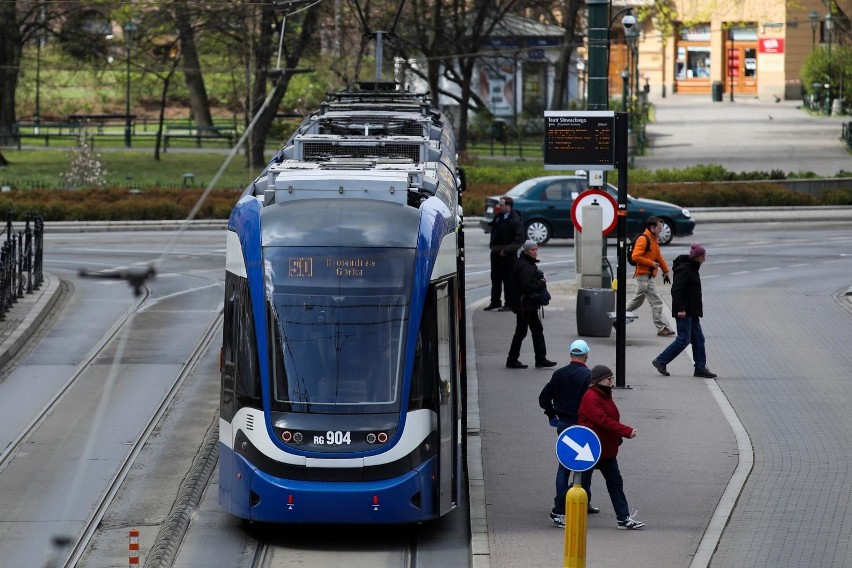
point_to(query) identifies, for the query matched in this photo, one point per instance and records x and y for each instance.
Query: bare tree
(199, 103)
(17, 24)
(569, 12)
(451, 34)
(251, 28)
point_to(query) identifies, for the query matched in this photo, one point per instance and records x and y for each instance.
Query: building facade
(752, 48)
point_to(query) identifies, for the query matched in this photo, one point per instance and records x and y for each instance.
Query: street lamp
(829, 26)
(814, 23)
(631, 34)
(629, 23)
(39, 44)
(129, 28)
(37, 113)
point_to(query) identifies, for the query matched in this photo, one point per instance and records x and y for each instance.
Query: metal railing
(846, 134)
(21, 261)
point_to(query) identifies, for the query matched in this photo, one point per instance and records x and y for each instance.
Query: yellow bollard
(576, 503)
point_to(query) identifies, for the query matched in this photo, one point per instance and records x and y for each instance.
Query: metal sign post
(621, 121)
(578, 448)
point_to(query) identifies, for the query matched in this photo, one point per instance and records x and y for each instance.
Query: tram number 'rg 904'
(337, 438)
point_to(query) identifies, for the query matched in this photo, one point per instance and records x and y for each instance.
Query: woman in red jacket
(599, 413)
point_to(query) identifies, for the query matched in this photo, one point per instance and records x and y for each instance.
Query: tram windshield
(337, 320)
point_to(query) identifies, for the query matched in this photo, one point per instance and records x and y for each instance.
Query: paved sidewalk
(682, 494)
(26, 314)
(512, 490)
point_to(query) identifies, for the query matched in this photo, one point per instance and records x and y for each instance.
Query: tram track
(85, 382)
(356, 547)
(9, 451)
(79, 545)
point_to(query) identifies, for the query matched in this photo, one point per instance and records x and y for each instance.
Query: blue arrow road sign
(578, 448)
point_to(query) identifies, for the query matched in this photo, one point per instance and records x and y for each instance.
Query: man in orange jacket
(648, 258)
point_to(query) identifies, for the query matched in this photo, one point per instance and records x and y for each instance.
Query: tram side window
(228, 344)
(445, 359)
(425, 369)
(247, 380)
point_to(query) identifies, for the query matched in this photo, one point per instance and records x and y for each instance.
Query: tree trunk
(163, 100)
(198, 101)
(464, 115)
(563, 66)
(293, 54)
(10, 56)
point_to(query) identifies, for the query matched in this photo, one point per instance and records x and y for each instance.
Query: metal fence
(21, 261)
(846, 134)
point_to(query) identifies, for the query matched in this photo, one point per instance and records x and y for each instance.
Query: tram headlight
(286, 436)
(376, 437)
(297, 437)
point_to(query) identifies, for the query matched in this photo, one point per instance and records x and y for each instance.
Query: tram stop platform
(675, 471)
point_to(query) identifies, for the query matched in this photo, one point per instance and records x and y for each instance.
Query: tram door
(741, 68)
(447, 411)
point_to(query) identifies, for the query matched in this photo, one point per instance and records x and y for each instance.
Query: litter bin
(717, 91)
(592, 307)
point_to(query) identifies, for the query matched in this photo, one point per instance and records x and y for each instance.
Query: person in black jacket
(687, 309)
(507, 236)
(560, 399)
(528, 280)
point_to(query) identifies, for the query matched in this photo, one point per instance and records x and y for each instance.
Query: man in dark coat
(507, 236)
(560, 399)
(687, 309)
(528, 280)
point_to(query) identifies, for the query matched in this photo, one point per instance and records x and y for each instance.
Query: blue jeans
(614, 485)
(688, 331)
(563, 482)
(563, 477)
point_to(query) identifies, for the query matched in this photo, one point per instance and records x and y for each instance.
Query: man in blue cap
(560, 399)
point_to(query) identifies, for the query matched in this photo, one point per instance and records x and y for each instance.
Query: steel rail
(86, 362)
(80, 543)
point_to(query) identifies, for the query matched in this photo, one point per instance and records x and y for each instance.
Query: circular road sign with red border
(595, 196)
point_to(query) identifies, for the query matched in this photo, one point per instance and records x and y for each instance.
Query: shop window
(750, 62)
(693, 62)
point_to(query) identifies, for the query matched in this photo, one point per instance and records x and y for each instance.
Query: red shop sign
(771, 45)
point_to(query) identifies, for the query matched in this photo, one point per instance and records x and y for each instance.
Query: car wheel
(538, 231)
(666, 234)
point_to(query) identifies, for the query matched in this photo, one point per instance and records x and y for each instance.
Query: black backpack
(630, 245)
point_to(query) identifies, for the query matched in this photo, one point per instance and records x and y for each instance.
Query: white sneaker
(558, 520)
(630, 523)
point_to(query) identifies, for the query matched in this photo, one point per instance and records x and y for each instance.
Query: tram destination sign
(579, 140)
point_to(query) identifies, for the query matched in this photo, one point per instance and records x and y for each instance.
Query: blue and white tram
(342, 386)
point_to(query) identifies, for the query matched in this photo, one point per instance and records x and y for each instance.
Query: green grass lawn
(137, 168)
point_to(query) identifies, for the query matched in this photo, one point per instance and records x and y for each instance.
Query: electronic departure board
(579, 140)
